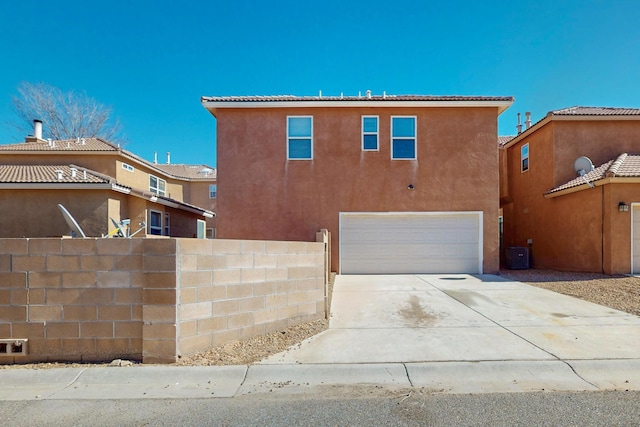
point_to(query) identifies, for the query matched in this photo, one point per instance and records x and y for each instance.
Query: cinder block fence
(150, 299)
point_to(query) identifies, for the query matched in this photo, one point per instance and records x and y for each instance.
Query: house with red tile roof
(404, 183)
(570, 190)
(97, 181)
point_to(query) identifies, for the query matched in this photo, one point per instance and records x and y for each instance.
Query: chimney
(527, 121)
(168, 158)
(155, 157)
(59, 174)
(369, 94)
(37, 128)
(519, 125)
(74, 171)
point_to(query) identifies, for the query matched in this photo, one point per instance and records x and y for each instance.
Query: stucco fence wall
(151, 299)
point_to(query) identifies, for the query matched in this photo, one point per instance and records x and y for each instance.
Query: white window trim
(414, 138)
(161, 227)
(128, 167)
(522, 169)
(213, 185)
(157, 190)
(376, 133)
(299, 137)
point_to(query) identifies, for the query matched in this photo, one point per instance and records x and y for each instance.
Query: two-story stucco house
(405, 184)
(97, 181)
(572, 217)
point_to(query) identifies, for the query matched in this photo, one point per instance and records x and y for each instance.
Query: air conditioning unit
(517, 258)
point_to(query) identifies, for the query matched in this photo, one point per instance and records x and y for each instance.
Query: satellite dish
(583, 165)
(76, 231)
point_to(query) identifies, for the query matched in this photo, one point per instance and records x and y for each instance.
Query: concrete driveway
(463, 319)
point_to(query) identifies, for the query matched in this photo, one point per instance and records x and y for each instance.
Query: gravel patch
(618, 292)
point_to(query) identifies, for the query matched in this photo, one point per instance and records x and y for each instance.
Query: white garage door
(636, 239)
(401, 242)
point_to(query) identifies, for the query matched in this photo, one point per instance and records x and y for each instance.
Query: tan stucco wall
(264, 196)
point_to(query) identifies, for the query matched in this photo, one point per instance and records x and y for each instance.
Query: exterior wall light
(623, 207)
(410, 187)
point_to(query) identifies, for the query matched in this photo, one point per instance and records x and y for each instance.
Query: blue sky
(152, 60)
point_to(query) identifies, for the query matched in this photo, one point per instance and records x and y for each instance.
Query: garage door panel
(410, 243)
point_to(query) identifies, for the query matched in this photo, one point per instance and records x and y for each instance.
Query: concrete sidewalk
(441, 333)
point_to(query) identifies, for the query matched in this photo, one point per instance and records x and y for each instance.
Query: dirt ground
(618, 292)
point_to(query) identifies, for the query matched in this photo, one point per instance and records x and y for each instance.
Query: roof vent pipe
(37, 128)
(527, 121)
(74, 171)
(155, 157)
(168, 158)
(59, 174)
(369, 94)
(519, 125)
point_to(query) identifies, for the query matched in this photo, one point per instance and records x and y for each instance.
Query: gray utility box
(517, 258)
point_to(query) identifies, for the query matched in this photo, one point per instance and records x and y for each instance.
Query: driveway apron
(462, 318)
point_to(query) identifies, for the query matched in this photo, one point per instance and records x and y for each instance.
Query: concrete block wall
(151, 299)
(73, 299)
(236, 289)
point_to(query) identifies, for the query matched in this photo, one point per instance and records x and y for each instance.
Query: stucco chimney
(369, 94)
(527, 121)
(74, 171)
(519, 125)
(37, 128)
(59, 174)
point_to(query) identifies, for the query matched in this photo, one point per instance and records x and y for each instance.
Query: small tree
(64, 115)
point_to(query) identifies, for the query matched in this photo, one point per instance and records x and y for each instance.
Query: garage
(635, 238)
(410, 242)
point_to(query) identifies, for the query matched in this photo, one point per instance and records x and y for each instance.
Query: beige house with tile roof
(575, 218)
(97, 181)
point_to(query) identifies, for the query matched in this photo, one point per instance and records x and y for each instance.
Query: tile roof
(625, 166)
(503, 140)
(49, 174)
(84, 144)
(191, 172)
(596, 111)
(384, 97)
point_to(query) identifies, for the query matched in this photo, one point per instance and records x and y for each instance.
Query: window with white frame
(155, 223)
(167, 224)
(403, 138)
(524, 158)
(157, 185)
(213, 191)
(299, 137)
(369, 133)
(201, 229)
(127, 167)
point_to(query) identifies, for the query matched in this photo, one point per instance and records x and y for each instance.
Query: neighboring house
(405, 184)
(571, 221)
(95, 181)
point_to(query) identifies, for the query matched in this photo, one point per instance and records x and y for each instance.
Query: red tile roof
(191, 172)
(83, 144)
(625, 165)
(49, 174)
(271, 98)
(596, 111)
(502, 140)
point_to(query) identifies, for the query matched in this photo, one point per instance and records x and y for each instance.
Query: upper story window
(299, 137)
(127, 167)
(213, 191)
(369, 133)
(524, 158)
(157, 185)
(403, 137)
